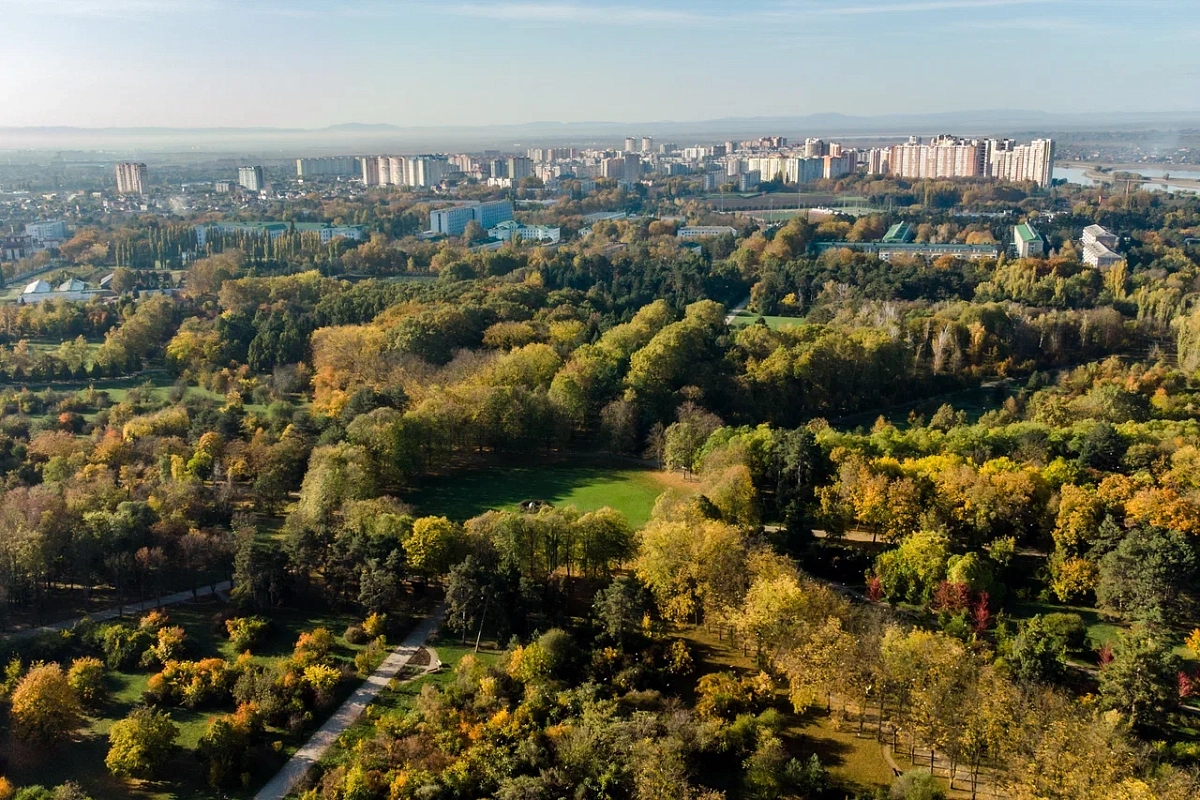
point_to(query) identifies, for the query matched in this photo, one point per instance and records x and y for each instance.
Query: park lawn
(82, 760)
(587, 486)
(747, 318)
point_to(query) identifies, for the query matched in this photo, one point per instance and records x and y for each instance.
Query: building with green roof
(900, 233)
(1028, 241)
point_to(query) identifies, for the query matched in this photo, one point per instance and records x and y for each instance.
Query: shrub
(917, 784)
(313, 645)
(356, 635)
(1067, 629)
(371, 656)
(153, 621)
(375, 625)
(168, 647)
(323, 681)
(141, 743)
(246, 632)
(122, 645)
(86, 678)
(193, 683)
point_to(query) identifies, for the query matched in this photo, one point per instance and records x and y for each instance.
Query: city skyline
(313, 63)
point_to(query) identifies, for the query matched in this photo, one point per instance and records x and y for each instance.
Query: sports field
(586, 486)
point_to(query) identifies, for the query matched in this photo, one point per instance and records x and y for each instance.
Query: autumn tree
(141, 743)
(44, 706)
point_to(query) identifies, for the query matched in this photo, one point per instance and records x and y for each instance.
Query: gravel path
(348, 713)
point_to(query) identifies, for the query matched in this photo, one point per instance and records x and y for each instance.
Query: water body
(1078, 175)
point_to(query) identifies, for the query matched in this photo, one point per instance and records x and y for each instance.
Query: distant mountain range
(367, 137)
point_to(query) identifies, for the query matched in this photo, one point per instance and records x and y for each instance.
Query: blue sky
(311, 63)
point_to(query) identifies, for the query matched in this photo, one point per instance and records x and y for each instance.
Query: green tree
(1141, 680)
(1147, 576)
(619, 609)
(1036, 654)
(141, 743)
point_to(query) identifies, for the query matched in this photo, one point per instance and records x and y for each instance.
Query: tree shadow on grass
(469, 494)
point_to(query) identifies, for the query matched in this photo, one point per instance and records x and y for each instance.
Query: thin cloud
(115, 9)
(571, 12)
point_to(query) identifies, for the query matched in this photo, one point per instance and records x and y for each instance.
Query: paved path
(348, 713)
(739, 308)
(128, 608)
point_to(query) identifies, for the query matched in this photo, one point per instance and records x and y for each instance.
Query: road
(348, 713)
(128, 608)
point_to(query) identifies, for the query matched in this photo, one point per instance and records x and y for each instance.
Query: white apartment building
(1098, 244)
(330, 167)
(1025, 162)
(252, 179)
(453, 221)
(131, 178)
(55, 230)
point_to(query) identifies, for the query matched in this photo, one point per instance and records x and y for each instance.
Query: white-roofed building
(37, 287)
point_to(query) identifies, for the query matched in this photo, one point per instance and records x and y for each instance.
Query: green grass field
(587, 486)
(82, 760)
(746, 318)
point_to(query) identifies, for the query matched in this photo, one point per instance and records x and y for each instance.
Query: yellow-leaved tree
(44, 706)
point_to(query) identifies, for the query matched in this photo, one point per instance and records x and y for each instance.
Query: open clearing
(746, 318)
(586, 486)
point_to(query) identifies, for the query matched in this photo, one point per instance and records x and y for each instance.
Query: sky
(312, 63)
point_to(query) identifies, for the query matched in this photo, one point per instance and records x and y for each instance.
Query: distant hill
(361, 137)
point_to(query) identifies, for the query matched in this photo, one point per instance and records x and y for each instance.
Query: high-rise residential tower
(131, 178)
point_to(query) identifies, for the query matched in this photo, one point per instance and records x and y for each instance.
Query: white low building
(1098, 244)
(705, 232)
(511, 231)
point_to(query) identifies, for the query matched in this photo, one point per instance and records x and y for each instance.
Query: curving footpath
(127, 609)
(348, 713)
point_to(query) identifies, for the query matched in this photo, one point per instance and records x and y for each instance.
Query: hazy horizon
(315, 63)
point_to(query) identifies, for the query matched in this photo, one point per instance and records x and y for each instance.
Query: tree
(1141, 680)
(1147, 576)
(225, 747)
(141, 743)
(466, 593)
(86, 678)
(619, 609)
(604, 540)
(1036, 654)
(378, 587)
(913, 570)
(433, 545)
(474, 232)
(44, 706)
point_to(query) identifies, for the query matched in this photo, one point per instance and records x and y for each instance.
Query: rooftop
(1027, 233)
(900, 232)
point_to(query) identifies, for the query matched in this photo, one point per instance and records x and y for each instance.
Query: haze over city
(313, 63)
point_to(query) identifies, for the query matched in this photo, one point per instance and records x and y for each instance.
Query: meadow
(586, 485)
